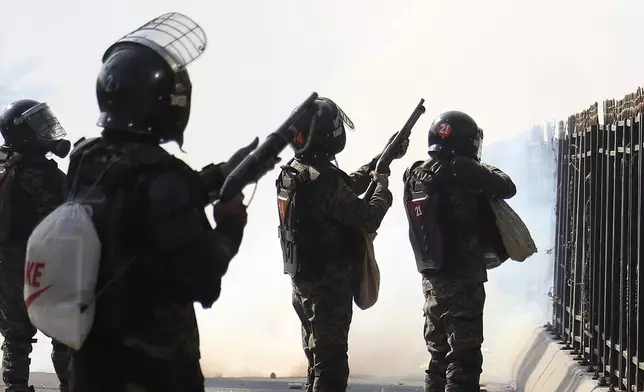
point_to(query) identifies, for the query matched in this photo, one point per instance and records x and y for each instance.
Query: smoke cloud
(253, 331)
(516, 62)
(262, 334)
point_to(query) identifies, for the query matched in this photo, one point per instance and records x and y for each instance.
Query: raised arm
(195, 256)
(344, 206)
(482, 178)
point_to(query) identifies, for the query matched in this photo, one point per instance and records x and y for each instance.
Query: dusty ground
(48, 382)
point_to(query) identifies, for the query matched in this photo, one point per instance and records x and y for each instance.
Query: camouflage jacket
(334, 217)
(464, 185)
(31, 188)
(156, 231)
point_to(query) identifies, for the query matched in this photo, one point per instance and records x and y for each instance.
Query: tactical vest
(15, 222)
(289, 180)
(297, 229)
(422, 204)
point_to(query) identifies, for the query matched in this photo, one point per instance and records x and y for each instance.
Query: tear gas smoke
(262, 334)
(253, 331)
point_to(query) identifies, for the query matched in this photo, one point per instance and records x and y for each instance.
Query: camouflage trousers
(325, 308)
(453, 333)
(17, 330)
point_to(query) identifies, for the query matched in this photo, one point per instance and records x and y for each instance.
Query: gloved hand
(231, 219)
(270, 165)
(241, 154)
(402, 148)
(238, 157)
(233, 211)
(380, 179)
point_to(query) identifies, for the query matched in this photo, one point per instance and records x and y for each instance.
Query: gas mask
(60, 147)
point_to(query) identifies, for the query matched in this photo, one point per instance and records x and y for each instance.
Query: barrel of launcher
(246, 172)
(389, 152)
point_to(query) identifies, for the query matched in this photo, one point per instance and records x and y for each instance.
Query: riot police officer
(160, 254)
(31, 186)
(446, 203)
(322, 221)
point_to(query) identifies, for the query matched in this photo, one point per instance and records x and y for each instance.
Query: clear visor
(42, 120)
(478, 143)
(341, 120)
(174, 36)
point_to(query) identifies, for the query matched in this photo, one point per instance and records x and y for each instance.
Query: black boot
(15, 366)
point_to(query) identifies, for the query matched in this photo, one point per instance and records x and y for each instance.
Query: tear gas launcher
(390, 151)
(254, 165)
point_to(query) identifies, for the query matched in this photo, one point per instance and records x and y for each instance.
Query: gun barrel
(388, 153)
(246, 172)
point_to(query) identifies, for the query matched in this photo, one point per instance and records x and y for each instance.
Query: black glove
(402, 148)
(270, 165)
(374, 162)
(241, 154)
(231, 218)
(238, 157)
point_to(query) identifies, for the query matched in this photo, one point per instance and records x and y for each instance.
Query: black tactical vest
(422, 198)
(289, 180)
(17, 216)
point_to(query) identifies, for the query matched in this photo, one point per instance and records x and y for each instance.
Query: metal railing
(599, 274)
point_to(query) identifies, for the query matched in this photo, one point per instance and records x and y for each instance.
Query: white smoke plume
(386, 341)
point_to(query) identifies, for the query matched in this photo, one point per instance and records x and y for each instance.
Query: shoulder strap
(290, 177)
(411, 169)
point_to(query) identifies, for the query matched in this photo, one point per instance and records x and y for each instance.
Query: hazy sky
(508, 63)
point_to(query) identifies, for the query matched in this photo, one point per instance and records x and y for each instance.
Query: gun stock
(390, 150)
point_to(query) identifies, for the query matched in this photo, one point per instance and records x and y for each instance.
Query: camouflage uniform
(31, 189)
(454, 293)
(323, 287)
(162, 256)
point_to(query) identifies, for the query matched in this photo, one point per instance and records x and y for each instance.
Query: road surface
(46, 382)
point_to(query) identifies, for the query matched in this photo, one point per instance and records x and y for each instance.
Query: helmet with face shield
(321, 132)
(143, 86)
(30, 127)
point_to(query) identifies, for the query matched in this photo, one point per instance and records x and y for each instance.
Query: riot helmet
(321, 133)
(143, 86)
(455, 133)
(30, 127)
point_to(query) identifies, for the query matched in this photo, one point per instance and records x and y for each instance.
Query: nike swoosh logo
(35, 295)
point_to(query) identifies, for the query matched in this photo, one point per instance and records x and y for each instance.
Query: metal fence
(598, 272)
